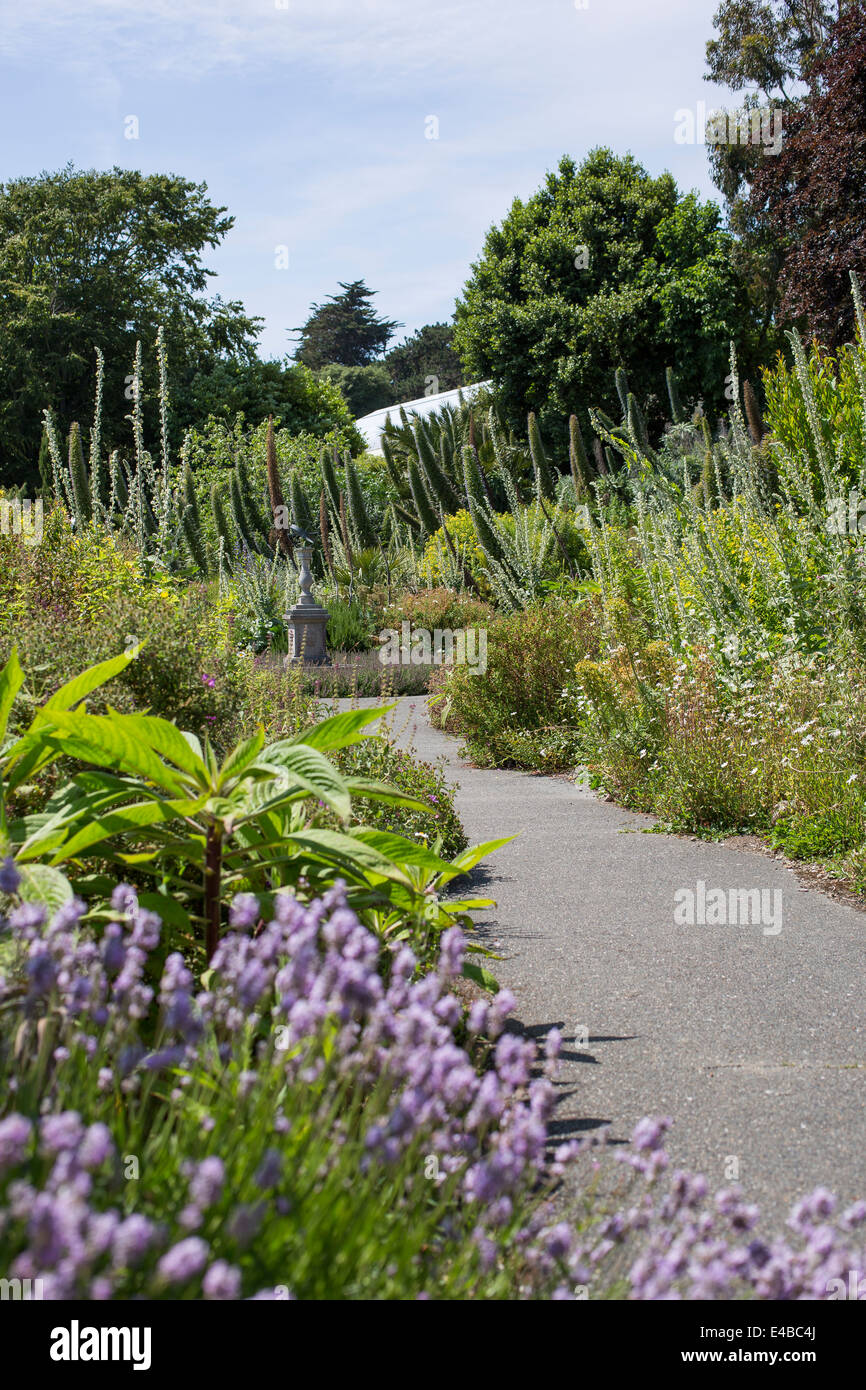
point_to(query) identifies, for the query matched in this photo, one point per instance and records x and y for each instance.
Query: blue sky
(308, 119)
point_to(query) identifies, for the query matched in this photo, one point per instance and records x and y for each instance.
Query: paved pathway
(754, 1042)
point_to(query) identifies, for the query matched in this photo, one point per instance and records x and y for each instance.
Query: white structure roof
(371, 426)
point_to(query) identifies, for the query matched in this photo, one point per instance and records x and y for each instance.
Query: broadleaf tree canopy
(91, 258)
(603, 267)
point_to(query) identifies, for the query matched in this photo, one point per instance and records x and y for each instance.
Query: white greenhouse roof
(371, 426)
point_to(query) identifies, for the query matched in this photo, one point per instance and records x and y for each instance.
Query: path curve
(754, 1043)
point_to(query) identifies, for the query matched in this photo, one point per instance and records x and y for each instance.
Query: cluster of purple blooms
(681, 1241)
(308, 994)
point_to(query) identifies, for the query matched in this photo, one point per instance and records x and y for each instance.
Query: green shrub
(377, 758)
(180, 674)
(438, 608)
(267, 817)
(513, 714)
(349, 626)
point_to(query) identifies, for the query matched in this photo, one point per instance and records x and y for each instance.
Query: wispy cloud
(308, 120)
(362, 39)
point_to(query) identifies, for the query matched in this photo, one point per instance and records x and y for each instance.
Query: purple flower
(132, 1240)
(206, 1184)
(183, 1261)
(453, 949)
(222, 1281)
(244, 912)
(96, 1147)
(559, 1241)
(15, 1132)
(9, 876)
(477, 1020)
(59, 1132)
(270, 1169)
(648, 1133)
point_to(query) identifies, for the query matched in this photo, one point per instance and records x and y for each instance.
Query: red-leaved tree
(813, 194)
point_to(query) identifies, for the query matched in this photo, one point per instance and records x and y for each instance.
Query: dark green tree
(425, 363)
(100, 259)
(297, 397)
(346, 330)
(364, 389)
(603, 267)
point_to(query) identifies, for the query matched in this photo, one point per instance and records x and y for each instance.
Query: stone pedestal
(307, 623)
(307, 627)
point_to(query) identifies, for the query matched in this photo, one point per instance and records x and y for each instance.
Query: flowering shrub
(676, 1239)
(515, 715)
(298, 1128)
(80, 577)
(461, 529)
(73, 601)
(442, 608)
(301, 1129)
(780, 753)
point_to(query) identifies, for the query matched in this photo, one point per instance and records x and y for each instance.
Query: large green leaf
(383, 791)
(480, 976)
(168, 909)
(111, 741)
(42, 884)
(11, 681)
(148, 813)
(340, 730)
(350, 855)
(74, 691)
(167, 740)
(311, 770)
(475, 853)
(242, 757)
(400, 850)
(30, 753)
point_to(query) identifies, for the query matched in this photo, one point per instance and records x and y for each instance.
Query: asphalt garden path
(752, 1039)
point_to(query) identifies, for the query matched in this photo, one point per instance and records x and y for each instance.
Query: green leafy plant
(202, 828)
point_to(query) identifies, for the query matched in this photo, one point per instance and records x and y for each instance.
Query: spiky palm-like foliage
(545, 486)
(223, 528)
(344, 531)
(279, 510)
(78, 474)
(360, 526)
(757, 428)
(424, 508)
(622, 389)
(191, 523)
(433, 469)
(252, 539)
(325, 530)
(636, 422)
(302, 512)
(328, 463)
(578, 460)
(678, 414)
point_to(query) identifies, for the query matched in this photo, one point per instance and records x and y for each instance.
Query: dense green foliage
(90, 259)
(364, 389)
(424, 363)
(300, 401)
(717, 678)
(346, 329)
(603, 267)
